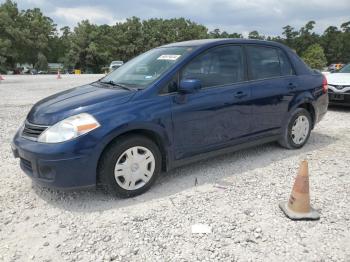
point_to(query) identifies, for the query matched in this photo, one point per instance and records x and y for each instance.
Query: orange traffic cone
(298, 207)
(58, 74)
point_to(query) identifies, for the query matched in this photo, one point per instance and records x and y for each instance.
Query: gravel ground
(237, 195)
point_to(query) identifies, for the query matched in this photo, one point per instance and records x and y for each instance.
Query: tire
(290, 140)
(138, 159)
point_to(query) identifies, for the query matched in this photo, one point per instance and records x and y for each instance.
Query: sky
(240, 16)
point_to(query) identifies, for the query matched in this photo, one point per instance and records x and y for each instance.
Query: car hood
(338, 79)
(88, 98)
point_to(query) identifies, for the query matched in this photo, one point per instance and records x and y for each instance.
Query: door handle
(291, 86)
(240, 94)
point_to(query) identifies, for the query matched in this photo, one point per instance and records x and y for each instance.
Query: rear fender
(302, 98)
(299, 100)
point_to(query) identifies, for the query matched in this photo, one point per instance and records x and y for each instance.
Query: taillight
(324, 85)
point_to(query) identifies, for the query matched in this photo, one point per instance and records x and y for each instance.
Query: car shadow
(183, 178)
(339, 108)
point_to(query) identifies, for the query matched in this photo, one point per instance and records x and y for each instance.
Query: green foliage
(217, 34)
(38, 30)
(332, 42)
(335, 42)
(41, 63)
(255, 35)
(290, 34)
(23, 35)
(92, 46)
(315, 57)
(10, 35)
(28, 36)
(345, 38)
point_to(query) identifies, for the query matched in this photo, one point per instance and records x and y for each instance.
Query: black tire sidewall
(110, 157)
(298, 112)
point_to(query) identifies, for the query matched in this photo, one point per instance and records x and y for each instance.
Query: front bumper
(63, 165)
(339, 98)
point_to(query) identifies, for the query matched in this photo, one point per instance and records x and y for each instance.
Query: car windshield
(147, 67)
(345, 69)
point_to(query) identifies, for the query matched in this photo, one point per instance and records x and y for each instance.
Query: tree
(306, 37)
(11, 38)
(28, 36)
(289, 36)
(332, 44)
(345, 38)
(217, 34)
(345, 27)
(23, 35)
(37, 29)
(255, 35)
(81, 39)
(58, 45)
(314, 57)
(41, 63)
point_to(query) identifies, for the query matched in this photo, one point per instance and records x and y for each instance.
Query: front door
(218, 114)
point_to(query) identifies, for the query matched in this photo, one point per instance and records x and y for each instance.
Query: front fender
(158, 130)
(152, 115)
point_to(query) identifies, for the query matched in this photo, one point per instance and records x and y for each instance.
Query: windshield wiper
(112, 83)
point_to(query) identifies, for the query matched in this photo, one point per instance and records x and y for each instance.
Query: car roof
(216, 41)
(300, 66)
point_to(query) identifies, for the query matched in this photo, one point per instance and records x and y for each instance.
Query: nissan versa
(169, 106)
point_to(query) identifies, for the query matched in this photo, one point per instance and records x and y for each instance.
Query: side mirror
(189, 85)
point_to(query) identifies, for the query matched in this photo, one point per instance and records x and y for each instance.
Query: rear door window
(263, 62)
(286, 67)
(216, 67)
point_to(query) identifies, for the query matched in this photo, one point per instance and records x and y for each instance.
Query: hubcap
(300, 129)
(134, 168)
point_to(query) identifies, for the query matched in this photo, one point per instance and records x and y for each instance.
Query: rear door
(218, 114)
(273, 84)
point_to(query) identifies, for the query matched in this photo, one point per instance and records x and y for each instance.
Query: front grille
(339, 87)
(330, 91)
(26, 164)
(32, 131)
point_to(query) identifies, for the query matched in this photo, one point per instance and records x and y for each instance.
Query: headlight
(69, 128)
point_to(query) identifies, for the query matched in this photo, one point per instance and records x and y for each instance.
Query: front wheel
(297, 130)
(130, 166)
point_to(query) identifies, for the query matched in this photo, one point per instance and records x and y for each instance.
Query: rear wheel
(130, 166)
(297, 130)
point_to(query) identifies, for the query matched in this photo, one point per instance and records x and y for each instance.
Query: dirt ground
(237, 196)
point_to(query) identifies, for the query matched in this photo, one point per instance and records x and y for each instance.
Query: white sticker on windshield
(168, 57)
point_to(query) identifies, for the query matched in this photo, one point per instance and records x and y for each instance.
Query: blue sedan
(172, 105)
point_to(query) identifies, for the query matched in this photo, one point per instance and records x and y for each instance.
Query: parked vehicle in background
(172, 105)
(53, 68)
(335, 67)
(115, 64)
(339, 86)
